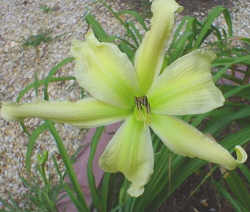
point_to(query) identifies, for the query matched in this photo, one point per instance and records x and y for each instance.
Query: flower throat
(142, 109)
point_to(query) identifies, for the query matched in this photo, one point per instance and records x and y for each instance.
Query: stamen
(142, 109)
(142, 101)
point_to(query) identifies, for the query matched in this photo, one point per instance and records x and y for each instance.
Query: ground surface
(20, 19)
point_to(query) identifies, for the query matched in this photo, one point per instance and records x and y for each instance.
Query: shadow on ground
(203, 6)
(191, 6)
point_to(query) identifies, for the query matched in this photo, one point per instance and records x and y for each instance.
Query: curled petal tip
(241, 157)
(241, 154)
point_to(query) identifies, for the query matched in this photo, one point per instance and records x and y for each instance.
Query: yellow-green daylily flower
(141, 97)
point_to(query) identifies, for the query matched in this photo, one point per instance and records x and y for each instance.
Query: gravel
(23, 18)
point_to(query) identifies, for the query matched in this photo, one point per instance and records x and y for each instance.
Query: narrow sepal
(84, 113)
(149, 56)
(184, 139)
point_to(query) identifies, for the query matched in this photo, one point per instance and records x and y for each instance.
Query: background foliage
(228, 124)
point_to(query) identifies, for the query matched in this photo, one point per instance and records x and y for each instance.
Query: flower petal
(186, 86)
(186, 140)
(104, 71)
(149, 56)
(130, 151)
(84, 113)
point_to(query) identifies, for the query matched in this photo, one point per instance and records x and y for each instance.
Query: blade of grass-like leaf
(205, 178)
(52, 72)
(32, 140)
(213, 30)
(36, 83)
(245, 171)
(69, 167)
(228, 20)
(126, 48)
(129, 206)
(40, 82)
(179, 48)
(228, 60)
(99, 32)
(217, 33)
(123, 23)
(161, 161)
(212, 15)
(236, 90)
(123, 196)
(233, 91)
(104, 190)
(192, 26)
(237, 60)
(177, 32)
(226, 195)
(73, 198)
(216, 125)
(240, 138)
(91, 178)
(245, 94)
(50, 205)
(233, 79)
(135, 30)
(158, 178)
(26, 183)
(57, 168)
(56, 191)
(117, 209)
(245, 39)
(239, 189)
(136, 15)
(198, 119)
(184, 170)
(25, 130)
(127, 42)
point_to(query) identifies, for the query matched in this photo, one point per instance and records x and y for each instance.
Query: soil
(202, 6)
(205, 200)
(192, 7)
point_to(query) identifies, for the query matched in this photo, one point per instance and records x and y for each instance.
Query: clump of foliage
(190, 34)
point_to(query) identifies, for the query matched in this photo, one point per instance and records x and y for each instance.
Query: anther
(141, 102)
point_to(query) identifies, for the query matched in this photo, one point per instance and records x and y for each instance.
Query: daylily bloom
(143, 98)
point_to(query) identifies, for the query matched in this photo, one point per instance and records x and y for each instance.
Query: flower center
(142, 109)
